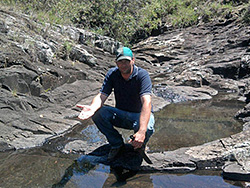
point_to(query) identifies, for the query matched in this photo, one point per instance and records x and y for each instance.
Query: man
(132, 89)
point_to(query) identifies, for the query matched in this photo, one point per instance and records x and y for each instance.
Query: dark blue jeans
(106, 118)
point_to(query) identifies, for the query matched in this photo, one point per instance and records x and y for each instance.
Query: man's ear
(133, 61)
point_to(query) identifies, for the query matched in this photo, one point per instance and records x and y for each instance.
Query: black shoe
(114, 152)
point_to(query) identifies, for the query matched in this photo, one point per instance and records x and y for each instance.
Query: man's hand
(137, 140)
(86, 112)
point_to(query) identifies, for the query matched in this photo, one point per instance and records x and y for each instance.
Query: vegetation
(128, 20)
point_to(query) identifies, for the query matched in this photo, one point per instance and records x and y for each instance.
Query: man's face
(125, 66)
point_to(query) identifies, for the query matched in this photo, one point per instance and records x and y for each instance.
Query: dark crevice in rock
(54, 73)
(41, 124)
(226, 23)
(29, 130)
(7, 107)
(222, 144)
(6, 87)
(244, 43)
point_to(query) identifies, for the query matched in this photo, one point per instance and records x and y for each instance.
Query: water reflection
(80, 167)
(124, 166)
(177, 125)
(189, 180)
(194, 123)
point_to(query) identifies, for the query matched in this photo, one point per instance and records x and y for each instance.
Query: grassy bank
(129, 20)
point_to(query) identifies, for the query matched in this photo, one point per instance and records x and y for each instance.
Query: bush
(126, 20)
(246, 16)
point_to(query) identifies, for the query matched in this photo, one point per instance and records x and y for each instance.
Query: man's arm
(89, 110)
(98, 101)
(139, 136)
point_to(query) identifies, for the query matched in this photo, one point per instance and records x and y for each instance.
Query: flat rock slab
(234, 171)
(170, 161)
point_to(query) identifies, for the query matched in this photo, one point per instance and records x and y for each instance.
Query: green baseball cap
(124, 53)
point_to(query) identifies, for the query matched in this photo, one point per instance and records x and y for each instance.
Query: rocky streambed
(47, 69)
(80, 155)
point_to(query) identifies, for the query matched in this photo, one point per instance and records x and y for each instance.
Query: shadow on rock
(124, 166)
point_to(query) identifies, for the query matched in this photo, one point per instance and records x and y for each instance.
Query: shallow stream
(177, 125)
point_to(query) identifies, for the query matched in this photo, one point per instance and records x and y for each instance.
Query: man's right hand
(86, 112)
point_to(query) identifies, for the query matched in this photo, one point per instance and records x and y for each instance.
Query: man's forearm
(144, 119)
(145, 114)
(98, 101)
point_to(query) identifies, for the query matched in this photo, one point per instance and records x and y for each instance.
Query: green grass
(123, 20)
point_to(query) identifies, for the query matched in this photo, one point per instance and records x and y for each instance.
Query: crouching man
(133, 110)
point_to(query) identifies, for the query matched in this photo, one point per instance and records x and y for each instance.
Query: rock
(212, 155)
(5, 147)
(243, 113)
(68, 95)
(3, 27)
(175, 94)
(246, 126)
(227, 70)
(45, 53)
(108, 45)
(75, 146)
(215, 154)
(80, 54)
(159, 103)
(170, 161)
(234, 171)
(17, 79)
(36, 88)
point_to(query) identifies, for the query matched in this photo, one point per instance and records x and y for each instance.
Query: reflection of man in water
(132, 89)
(85, 164)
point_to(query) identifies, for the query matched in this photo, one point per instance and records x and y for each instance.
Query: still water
(177, 125)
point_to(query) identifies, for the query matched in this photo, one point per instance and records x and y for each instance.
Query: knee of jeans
(148, 135)
(100, 114)
(97, 115)
(151, 123)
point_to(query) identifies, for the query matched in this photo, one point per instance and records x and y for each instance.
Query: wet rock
(212, 155)
(75, 146)
(174, 94)
(234, 171)
(170, 161)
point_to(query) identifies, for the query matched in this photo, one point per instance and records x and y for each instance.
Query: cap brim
(124, 57)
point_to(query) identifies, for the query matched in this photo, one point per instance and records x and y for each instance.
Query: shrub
(246, 16)
(126, 20)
